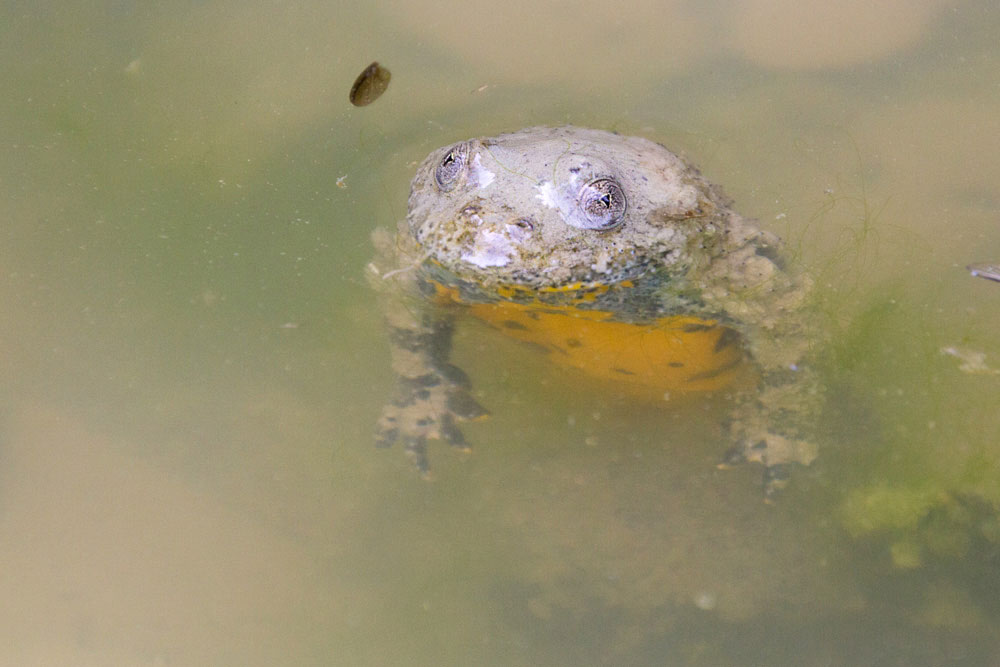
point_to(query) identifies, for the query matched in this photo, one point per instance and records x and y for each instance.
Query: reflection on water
(193, 364)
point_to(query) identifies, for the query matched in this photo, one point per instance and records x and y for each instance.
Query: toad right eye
(449, 171)
(603, 203)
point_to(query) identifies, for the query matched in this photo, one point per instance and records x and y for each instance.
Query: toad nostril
(520, 230)
(470, 214)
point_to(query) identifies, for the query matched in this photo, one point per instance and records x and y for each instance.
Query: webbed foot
(428, 407)
(759, 444)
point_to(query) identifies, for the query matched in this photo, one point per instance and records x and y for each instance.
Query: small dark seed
(370, 85)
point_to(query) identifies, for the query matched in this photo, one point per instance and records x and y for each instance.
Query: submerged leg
(431, 394)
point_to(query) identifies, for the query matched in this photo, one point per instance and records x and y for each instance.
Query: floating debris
(986, 270)
(972, 361)
(705, 600)
(370, 85)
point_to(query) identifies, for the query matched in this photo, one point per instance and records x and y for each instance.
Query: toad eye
(603, 203)
(451, 167)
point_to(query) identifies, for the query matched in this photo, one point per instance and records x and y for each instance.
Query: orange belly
(672, 354)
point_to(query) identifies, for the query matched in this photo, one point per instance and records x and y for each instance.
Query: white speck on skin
(603, 262)
(490, 249)
(482, 176)
(517, 234)
(547, 194)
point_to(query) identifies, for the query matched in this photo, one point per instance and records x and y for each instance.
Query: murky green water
(192, 362)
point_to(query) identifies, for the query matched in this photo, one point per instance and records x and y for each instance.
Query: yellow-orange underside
(672, 354)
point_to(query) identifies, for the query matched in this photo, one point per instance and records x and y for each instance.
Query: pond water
(193, 362)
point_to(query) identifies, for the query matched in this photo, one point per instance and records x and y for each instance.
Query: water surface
(193, 363)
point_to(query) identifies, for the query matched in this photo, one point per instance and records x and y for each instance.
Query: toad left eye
(603, 203)
(451, 167)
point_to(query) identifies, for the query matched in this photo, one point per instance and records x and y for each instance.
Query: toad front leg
(431, 395)
(773, 425)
